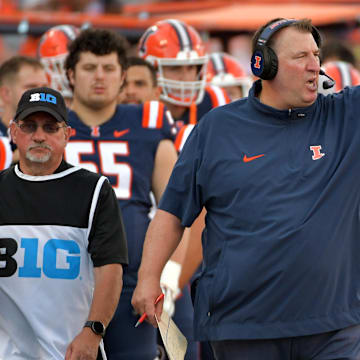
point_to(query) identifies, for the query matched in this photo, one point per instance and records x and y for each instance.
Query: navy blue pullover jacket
(282, 238)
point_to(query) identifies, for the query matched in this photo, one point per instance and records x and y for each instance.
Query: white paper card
(174, 341)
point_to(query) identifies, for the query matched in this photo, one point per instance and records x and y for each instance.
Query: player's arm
(165, 159)
(163, 236)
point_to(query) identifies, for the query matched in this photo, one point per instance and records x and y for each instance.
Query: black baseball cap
(41, 99)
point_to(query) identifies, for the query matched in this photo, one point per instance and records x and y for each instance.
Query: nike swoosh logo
(251, 158)
(121, 133)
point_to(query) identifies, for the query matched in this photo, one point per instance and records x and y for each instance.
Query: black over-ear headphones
(264, 62)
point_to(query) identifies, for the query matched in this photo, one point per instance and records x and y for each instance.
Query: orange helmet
(52, 52)
(174, 43)
(343, 73)
(224, 70)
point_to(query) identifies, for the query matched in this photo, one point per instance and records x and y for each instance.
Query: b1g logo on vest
(60, 258)
(43, 97)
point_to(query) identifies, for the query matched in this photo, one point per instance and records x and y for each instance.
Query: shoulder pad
(5, 153)
(153, 113)
(182, 136)
(218, 95)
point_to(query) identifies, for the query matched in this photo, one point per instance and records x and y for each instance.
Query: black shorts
(341, 344)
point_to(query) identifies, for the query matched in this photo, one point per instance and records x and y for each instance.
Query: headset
(264, 61)
(327, 84)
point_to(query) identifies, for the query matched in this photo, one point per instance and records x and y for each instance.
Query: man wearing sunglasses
(62, 242)
(41, 151)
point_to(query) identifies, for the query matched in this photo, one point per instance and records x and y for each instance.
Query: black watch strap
(96, 326)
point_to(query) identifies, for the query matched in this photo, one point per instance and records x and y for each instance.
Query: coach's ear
(68, 132)
(13, 131)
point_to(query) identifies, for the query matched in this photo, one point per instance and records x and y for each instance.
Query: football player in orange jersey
(141, 86)
(17, 74)
(140, 82)
(133, 146)
(227, 72)
(178, 54)
(52, 52)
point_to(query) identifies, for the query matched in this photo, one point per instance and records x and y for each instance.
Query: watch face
(98, 327)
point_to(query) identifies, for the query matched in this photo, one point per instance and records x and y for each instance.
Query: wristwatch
(96, 326)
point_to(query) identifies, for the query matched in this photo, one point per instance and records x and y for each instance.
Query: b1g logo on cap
(43, 97)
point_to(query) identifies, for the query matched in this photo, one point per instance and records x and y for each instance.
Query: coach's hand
(144, 296)
(85, 346)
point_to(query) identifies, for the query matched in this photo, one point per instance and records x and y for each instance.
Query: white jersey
(45, 267)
